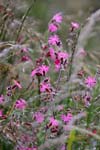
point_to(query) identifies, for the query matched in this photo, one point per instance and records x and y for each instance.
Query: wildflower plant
(48, 113)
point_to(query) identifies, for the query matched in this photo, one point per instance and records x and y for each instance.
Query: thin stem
(39, 93)
(71, 63)
(72, 55)
(24, 18)
(59, 77)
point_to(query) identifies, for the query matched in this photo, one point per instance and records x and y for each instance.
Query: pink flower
(1, 99)
(45, 86)
(53, 121)
(39, 117)
(1, 113)
(20, 104)
(43, 69)
(66, 118)
(54, 40)
(17, 84)
(33, 73)
(57, 64)
(63, 147)
(75, 25)
(82, 52)
(87, 98)
(90, 82)
(61, 58)
(63, 55)
(25, 58)
(57, 17)
(24, 50)
(60, 107)
(52, 27)
(52, 53)
(40, 71)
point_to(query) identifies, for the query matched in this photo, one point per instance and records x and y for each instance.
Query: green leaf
(71, 139)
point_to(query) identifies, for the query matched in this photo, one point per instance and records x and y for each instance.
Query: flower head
(20, 104)
(75, 25)
(43, 69)
(57, 64)
(87, 98)
(39, 117)
(25, 58)
(45, 86)
(53, 121)
(17, 84)
(33, 73)
(81, 52)
(57, 17)
(24, 49)
(40, 71)
(62, 55)
(54, 40)
(66, 118)
(52, 27)
(60, 107)
(63, 147)
(90, 82)
(1, 99)
(52, 53)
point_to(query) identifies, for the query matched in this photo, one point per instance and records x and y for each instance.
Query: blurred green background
(75, 9)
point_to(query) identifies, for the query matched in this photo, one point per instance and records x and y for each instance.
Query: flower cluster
(49, 107)
(55, 21)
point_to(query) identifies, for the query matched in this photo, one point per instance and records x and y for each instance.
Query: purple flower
(90, 82)
(62, 55)
(43, 69)
(40, 71)
(57, 64)
(25, 58)
(63, 147)
(45, 86)
(20, 104)
(75, 25)
(39, 117)
(54, 40)
(17, 84)
(57, 17)
(67, 118)
(1, 99)
(24, 49)
(53, 121)
(52, 53)
(33, 73)
(52, 27)
(60, 107)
